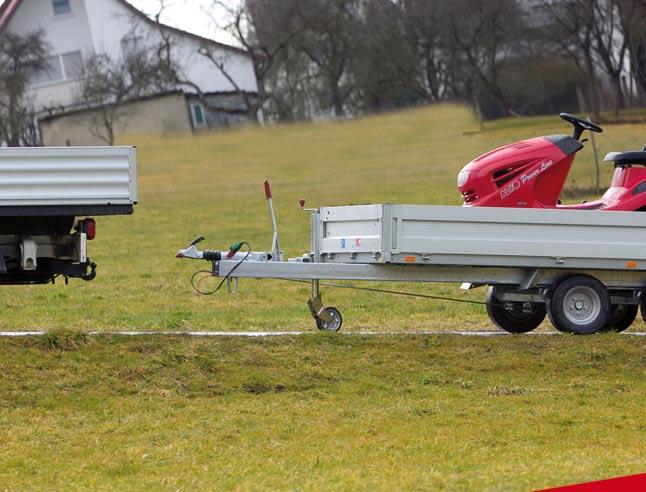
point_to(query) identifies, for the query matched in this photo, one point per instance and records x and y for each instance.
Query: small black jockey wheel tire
(580, 304)
(335, 325)
(621, 317)
(514, 320)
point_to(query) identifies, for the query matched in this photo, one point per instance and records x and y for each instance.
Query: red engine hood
(529, 173)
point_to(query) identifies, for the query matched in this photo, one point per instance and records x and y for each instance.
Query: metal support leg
(315, 303)
(316, 288)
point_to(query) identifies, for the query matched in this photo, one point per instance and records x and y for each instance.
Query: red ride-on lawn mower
(531, 174)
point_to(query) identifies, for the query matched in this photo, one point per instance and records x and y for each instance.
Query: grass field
(318, 411)
(212, 185)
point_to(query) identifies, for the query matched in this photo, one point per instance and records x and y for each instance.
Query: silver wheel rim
(334, 324)
(582, 305)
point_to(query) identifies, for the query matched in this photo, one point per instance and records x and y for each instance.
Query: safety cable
(395, 292)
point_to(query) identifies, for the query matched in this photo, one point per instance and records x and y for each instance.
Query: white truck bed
(435, 235)
(67, 181)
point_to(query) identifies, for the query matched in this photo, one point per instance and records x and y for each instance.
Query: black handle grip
(210, 255)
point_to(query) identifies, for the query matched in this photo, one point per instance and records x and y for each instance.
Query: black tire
(514, 320)
(580, 304)
(621, 317)
(335, 325)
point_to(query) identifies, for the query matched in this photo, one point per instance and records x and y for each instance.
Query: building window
(131, 45)
(72, 64)
(61, 7)
(68, 66)
(198, 115)
(53, 71)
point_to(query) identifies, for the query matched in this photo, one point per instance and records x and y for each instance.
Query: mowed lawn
(320, 412)
(212, 185)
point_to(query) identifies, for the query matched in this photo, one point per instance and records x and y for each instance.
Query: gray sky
(189, 15)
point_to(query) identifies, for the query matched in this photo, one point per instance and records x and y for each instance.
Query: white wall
(99, 26)
(110, 22)
(65, 33)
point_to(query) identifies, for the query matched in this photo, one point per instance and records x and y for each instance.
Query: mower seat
(627, 158)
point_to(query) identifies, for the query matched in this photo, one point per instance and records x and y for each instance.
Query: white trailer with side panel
(48, 197)
(585, 269)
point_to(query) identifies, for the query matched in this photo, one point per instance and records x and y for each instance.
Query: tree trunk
(594, 99)
(13, 126)
(337, 100)
(619, 93)
(499, 97)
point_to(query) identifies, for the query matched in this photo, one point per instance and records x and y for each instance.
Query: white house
(76, 29)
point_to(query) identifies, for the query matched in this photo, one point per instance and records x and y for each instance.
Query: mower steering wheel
(580, 125)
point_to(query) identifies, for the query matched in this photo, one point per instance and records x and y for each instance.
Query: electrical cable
(209, 273)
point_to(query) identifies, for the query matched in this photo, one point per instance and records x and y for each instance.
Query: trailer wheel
(621, 317)
(335, 324)
(580, 304)
(512, 316)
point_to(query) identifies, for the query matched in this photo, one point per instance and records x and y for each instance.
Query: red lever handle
(267, 190)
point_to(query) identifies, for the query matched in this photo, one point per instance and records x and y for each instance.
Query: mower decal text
(509, 189)
(544, 165)
(514, 185)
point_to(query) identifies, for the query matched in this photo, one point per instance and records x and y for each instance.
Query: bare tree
(22, 57)
(328, 36)
(290, 87)
(568, 28)
(425, 29)
(633, 21)
(107, 85)
(611, 41)
(596, 35)
(262, 28)
(485, 33)
(385, 67)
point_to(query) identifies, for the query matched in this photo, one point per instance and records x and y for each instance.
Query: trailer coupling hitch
(193, 253)
(91, 275)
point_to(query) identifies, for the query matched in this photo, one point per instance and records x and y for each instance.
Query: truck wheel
(512, 316)
(621, 317)
(335, 324)
(580, 304)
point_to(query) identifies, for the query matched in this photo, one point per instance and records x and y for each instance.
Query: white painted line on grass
(260, 334)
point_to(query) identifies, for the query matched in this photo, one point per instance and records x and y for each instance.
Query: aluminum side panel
(491, 236)
(352, 230)
(51, 176)
(521, 233)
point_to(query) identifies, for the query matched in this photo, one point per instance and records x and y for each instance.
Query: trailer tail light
(89, 227)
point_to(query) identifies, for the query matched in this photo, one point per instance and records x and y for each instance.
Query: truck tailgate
(48, 179)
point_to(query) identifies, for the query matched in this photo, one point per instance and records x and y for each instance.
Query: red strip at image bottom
(628, 483)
